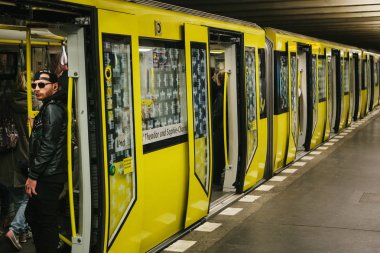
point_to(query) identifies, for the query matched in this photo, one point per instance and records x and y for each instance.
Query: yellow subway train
(176, 113)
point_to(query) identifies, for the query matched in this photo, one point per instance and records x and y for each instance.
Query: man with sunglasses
(47, 162)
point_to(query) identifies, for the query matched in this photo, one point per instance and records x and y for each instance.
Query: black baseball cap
(52, 76)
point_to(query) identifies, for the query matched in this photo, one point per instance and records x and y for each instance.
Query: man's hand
(30, 187)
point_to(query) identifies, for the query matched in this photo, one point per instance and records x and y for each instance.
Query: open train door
(305, 97)
(199, 123)
(356, 86)
(371, 86)
(294, 100)
(336, 89)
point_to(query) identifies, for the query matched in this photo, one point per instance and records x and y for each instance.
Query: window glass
(201, 113)
(346, 77)
(251, 113)
(281, 102)
(263, 84)
(352, 85)
(376, 69)
(322, 78)
(163, 93)
(294, 91)
(119, 116)
(368, 75)
(314, 83)
(364, 74)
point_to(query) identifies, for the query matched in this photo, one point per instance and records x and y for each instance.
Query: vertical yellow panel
(255, 167)
(199, 184)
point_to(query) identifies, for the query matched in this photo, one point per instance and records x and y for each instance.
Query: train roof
(197, 13)
(312, 39)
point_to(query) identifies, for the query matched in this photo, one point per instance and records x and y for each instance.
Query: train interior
(302, 100)
(333, 91)
(223, 87)
(25, 49)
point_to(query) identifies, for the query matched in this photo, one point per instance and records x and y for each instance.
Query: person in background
(47, 162)
(218, 139)
(15, 162)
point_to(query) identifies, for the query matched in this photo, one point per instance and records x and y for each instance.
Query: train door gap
(356, 86)
(302, 100)
(336, 90)
(223, 82)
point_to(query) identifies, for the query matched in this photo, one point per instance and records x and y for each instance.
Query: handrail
(225, 118)
(65, 240)
(42, 43)
(29, 79)
(69, 156)
(47, 37)
(14, 27)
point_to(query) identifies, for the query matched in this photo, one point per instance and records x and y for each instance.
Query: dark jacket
(48, 145)
(11, 174)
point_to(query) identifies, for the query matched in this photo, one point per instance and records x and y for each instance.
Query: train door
(371, 83)
(320, 131)
(79, 180)
(294, 100)
(225, 57)
(199, 127)
(305, 93)
(364, 87)
(345, 102)
(281, 118)
(356, 86)
(336, 89)
(330, 98)
(255, 118)
(377, 87)
(268, 111)
(351, 70)
(376, 82)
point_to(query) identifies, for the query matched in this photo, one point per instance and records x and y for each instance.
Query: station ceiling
(352, 22)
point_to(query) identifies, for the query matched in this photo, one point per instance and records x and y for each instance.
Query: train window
(368, 74)
(250, 91)
(163, 93)
(120, 137)
(294, 92)
(200, 109)
(8, 72)
(346, 77)
(376, 79)
(322, 78)
(364, 74)
(262, 80)
(281, 101)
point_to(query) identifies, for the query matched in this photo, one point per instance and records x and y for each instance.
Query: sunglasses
(41, 85)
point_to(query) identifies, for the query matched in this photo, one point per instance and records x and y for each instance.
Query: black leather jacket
(48, 145)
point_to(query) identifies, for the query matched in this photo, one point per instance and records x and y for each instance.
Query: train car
(300, 95)
(149, 122)
(175, 112)
(315, 92)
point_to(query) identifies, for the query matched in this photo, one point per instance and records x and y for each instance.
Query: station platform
(328, 201)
